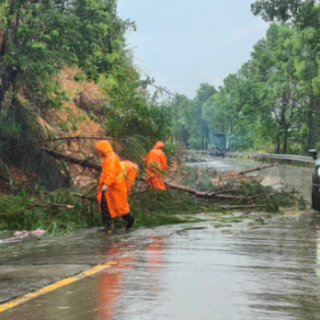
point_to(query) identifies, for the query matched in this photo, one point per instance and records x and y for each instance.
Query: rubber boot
(105, 214)
(130, 218)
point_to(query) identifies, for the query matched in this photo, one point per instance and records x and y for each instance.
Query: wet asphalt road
(194, 271)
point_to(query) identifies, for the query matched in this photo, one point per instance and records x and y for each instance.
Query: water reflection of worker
(156, 163)
(130, 171)
(110, 282)
(154, 253)
(112, 190)
(154, 263)
(118, 282)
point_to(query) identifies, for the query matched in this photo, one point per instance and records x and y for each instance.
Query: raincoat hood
(159, 145)
(104, 146)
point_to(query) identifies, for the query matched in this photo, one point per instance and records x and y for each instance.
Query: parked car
(315, 195)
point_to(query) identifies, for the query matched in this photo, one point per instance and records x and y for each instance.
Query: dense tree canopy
(296, 11)
(39, 39)
(272, 103)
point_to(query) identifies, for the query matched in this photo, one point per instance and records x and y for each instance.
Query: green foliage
(298, 11)
(39, 38)
(199, 179)
(156, 208)
(298, 63)
(272, 102)
(181, 108)
(132, 114)
(19, 148)
(190, 124)
(64, 127)
(272, 200)
(47, 210)
(26, 212)
(134, 148)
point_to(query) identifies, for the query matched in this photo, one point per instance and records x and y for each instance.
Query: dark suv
(315, 196)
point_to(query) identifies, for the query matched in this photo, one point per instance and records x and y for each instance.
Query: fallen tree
(202, 194)
(246, 197)
(179, 204)
(256, 169)
(86, 163)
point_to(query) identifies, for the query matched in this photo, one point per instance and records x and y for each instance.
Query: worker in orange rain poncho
(130, 171)
(156, 163)
(112, 190)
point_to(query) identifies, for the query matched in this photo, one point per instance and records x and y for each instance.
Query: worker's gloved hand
(104, 188)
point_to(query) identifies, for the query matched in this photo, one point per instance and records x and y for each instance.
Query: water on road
(190, 271)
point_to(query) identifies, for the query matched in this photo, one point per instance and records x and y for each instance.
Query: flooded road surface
(189, 271)
(196, 272)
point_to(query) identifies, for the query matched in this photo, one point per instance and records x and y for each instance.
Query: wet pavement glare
(189, 271)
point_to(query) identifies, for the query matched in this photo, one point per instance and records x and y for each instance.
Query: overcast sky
(182, 43)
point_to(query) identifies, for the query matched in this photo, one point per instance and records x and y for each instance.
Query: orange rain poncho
(156, 163)
(130, 170)
(112, 176)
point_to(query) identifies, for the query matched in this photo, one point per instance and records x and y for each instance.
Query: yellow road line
(54, 286)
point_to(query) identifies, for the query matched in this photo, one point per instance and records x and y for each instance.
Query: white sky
(182, 43)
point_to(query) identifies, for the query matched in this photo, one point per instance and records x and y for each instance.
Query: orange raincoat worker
(156, 163)
(130, 171)
(112, 190)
